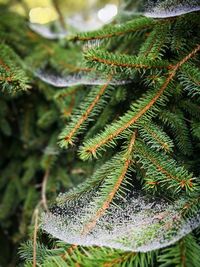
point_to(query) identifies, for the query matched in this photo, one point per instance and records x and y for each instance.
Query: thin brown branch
(183, 182)
(61, 17)
(182, 252)
(127, 65)
(116, 186)
(36, 215)
(43, 193)
(69, 137)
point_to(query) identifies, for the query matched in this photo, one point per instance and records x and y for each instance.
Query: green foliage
(162, 171)
(128, 65)
(94, 104)
(12, 76)
(179, 128)
(190, 79)
(184, 253)
(144, 133)
(142, 108)
(64, 255)
(115, 31)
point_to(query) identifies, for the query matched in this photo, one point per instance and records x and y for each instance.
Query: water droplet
(169, 8)
(139, 223)
(162, 8)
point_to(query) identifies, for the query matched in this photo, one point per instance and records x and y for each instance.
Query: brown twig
(43, 192)
(61, 17)
(36, 213)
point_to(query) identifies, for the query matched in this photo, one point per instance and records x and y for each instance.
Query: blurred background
(45, 11)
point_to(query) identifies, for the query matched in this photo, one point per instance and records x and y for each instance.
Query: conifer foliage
(142, 133)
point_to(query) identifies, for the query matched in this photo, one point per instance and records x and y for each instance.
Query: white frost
(170, 8)
(75, 79)
(140, 223)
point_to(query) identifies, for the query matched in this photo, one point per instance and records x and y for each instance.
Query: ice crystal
(138, 223)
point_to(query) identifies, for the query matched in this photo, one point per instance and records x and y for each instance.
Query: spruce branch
(13, 77)
(196, 129)
(161, 170)
(191, 206)
(114, 31)
(139, 109)
(106, 138)
(127, 160)
(69, 252)
(107, 61)
(177, 124)
(156, 42)
(190, 79)
(184, 253)
(67, 136)
(119, 260)
(154, 136)
(90, 184)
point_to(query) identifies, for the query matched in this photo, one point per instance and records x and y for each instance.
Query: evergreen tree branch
(183, 254)
(190, 79)
(154, 136)
(156, 43)
(145, 104)
(90, 184)
(179, 129)
(67, 136)
(114, 31)
(112, 62)
(12, 74)
(163, 170)
(119, 260)
(105, 205)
